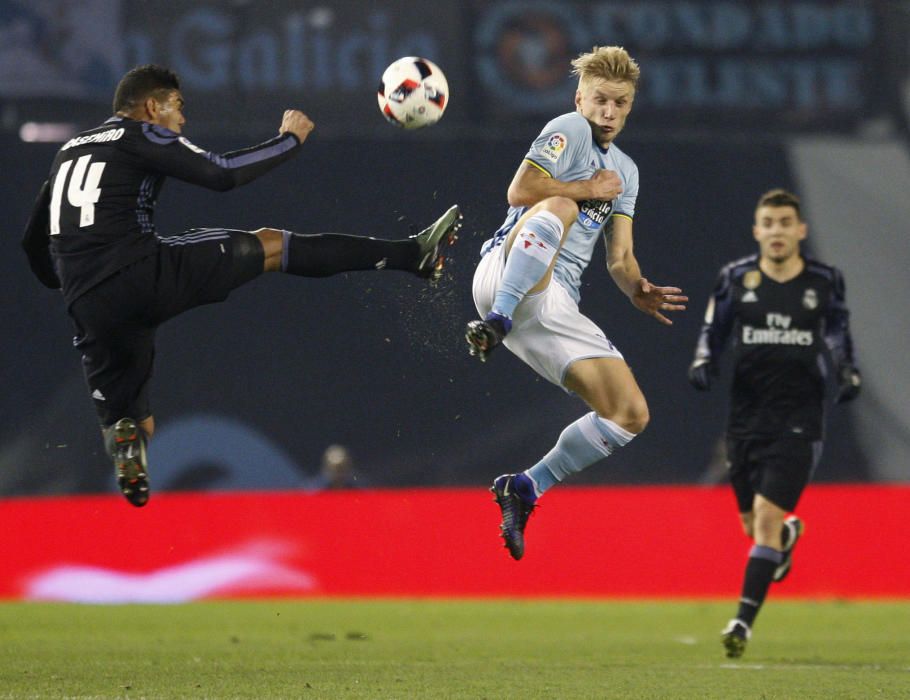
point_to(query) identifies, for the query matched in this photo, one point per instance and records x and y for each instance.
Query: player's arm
(172, 155)
(840, 342)
(36, 240)
(532, 184)
(715, 330)
(625, 271)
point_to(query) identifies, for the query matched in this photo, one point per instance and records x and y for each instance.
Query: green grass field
(450, 649)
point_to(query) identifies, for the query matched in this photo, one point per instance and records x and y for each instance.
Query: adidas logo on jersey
(749, 296)
(96, 394)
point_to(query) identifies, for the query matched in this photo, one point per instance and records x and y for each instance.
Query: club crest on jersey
(752, 279)
(554, 147)
(810, 299)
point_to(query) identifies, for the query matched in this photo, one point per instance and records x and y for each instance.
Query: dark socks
(325, 254)
(759, 571)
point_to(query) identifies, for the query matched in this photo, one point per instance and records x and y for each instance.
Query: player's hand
(849, 382)
(700, 373)
(605, 185)
(652, 300)
(297, 123)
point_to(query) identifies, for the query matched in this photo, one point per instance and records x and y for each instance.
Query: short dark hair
(141, 83)
(780, 197)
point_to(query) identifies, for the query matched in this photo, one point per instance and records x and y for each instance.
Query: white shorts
(548, 333)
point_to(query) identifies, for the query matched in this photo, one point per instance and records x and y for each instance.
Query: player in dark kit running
(91, 235)
(782, 309)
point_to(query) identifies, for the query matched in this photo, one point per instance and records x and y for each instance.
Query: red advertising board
(582, 542)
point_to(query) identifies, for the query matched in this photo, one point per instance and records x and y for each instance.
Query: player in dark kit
(91, 235)
(782, 309)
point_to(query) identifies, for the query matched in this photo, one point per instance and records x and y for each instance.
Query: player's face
(605, 104)
(170, 112)
(778, 231)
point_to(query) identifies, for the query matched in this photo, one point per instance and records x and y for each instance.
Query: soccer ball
(413, 93)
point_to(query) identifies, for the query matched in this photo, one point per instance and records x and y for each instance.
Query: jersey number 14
(83, 191)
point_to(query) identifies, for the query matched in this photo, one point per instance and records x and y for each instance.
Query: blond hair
(606, 63)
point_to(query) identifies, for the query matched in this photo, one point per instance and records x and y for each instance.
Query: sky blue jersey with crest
(565, 150)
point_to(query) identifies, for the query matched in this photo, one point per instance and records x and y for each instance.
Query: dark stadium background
(375, 362)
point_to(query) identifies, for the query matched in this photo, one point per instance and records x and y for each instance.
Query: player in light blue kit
(572, 185)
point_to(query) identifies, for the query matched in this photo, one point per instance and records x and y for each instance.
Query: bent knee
(633, 417)
(563, 207)
(637, 422)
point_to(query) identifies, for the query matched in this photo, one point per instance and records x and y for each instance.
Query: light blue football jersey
(566, 151)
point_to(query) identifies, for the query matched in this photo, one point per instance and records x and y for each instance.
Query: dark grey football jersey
(104, 184)
(780, 333)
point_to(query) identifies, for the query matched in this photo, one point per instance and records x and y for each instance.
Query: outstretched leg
(326, 254)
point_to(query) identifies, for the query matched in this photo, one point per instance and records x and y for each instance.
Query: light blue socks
(532, 252)
(581, 444)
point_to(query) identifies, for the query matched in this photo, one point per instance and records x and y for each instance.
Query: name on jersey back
(99, 137)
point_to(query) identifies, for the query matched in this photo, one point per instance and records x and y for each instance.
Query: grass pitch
(450, 649)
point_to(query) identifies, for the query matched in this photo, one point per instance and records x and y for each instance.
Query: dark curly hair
(141, 83)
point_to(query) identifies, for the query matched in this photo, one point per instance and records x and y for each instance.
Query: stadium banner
(736, 66)
(324, 58)
(657, 542)
(60, 50)
(246, 60)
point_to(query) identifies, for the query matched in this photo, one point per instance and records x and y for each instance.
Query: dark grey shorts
(778, 469)
(116, 320)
